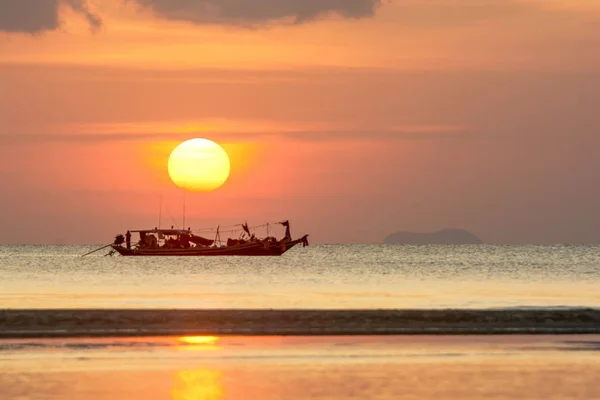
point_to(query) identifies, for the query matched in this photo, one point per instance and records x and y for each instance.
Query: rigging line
(233, 230)
(239, 230)
(233, 226)
(224, 231)
(173, 219)
(267, 225)
(214, 230)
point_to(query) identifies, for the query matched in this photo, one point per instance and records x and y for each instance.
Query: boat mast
(183, 227)
(160, 211)
(218, 236)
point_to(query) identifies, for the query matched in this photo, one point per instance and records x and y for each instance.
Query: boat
(181, 242)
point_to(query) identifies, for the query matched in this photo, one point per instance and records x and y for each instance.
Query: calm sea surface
(332, 276)
(299, 368)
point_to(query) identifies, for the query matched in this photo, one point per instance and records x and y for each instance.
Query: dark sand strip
(95, 323)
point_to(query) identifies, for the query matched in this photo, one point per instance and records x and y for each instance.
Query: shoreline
(79, 323)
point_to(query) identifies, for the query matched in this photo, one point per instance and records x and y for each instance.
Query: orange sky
(353, 120)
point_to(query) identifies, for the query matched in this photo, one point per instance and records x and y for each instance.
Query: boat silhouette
(181, 242)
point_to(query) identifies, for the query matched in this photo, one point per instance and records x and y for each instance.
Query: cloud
(411, 133)
(35, 16)
(81, 7)
(258, 12)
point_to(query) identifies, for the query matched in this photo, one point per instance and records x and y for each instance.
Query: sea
(366, 277)
(315, 277)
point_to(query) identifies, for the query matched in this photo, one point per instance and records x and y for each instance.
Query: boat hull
(249, 249)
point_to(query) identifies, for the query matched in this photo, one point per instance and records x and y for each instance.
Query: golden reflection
(198, 343)
(199, 339)
(201, 384)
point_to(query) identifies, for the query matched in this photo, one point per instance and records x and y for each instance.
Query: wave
(152, 322)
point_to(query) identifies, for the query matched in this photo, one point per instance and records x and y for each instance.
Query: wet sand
(301, 368)
(128, 322)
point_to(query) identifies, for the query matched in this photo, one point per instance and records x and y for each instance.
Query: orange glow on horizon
(243, 158)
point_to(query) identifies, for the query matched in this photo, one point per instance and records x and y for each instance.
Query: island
(445, 236)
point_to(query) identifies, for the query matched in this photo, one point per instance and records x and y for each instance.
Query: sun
(199, 165)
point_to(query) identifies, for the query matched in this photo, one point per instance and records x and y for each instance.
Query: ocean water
(321, 277)
(303, 367)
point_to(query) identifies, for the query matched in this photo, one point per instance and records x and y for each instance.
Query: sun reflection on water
(198, 343)
(211, 340)
(200, 384)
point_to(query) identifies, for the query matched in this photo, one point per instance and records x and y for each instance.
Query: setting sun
(199, 165)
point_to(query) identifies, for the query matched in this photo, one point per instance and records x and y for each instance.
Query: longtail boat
(180, 242)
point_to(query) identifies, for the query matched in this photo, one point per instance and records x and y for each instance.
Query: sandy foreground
(393, 367)
(146, 322)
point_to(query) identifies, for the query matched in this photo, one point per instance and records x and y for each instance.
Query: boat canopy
(176, 232)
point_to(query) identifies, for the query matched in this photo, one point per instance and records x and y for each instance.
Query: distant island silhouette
(445, 236)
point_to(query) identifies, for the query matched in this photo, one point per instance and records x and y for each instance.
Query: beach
(302, 367)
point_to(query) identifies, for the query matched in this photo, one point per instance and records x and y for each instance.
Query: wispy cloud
(141, 132)
(82, 7)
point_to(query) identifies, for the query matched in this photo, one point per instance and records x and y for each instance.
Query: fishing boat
(181, 242)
